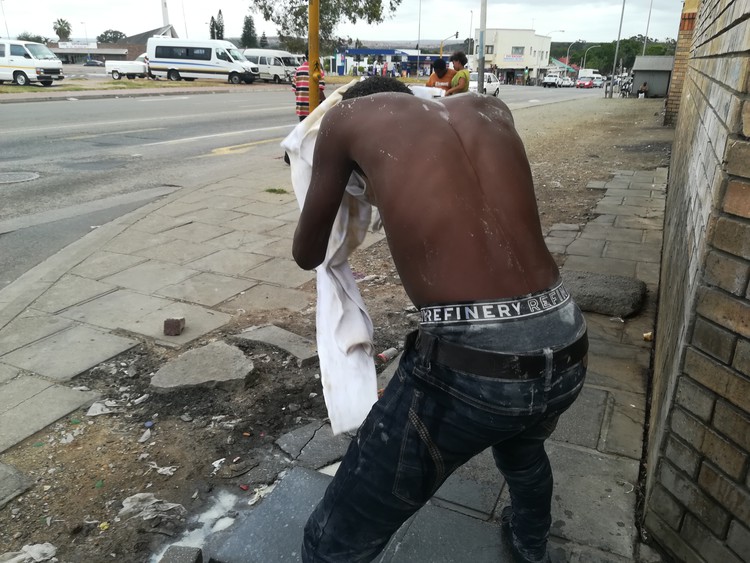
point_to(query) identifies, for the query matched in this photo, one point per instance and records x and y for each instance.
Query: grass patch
(277, 191)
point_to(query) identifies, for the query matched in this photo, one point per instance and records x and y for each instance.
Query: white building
(513, 54)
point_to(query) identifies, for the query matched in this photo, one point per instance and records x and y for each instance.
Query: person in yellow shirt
(460, 81)
(441, 76)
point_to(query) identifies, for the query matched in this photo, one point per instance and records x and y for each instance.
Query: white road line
(79, 137)
(162, 99)
(201, 137)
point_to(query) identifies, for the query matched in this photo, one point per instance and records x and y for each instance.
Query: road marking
(79, 137)
(238, 149)
(162, 99)
(44, 217)
(131, 120)
(533, 101)
(216, 135)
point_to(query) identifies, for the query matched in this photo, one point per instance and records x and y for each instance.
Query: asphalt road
(91, 160)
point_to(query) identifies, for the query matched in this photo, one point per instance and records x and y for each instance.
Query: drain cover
(13, 177)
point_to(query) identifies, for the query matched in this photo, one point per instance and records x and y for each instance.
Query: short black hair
(375, 85)
(460, 56)
(440, 64)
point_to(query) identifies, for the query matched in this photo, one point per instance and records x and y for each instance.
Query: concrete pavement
(207, 251)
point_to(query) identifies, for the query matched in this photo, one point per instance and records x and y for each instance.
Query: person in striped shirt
(301, 87)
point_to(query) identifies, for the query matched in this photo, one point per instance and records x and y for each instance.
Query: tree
(220, 26)
(290, 16)
(212, 28)
(249, 38)
(263, 41)
(111, 36)
(63, 29)
(26, 36)
(293, 44)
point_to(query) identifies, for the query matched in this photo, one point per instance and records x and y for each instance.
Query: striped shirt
(301, 87)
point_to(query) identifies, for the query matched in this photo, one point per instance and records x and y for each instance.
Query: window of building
(489, 49)
(517, 50)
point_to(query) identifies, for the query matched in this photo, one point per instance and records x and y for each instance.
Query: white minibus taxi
(187, 59)
(25, 61)
(273, 65)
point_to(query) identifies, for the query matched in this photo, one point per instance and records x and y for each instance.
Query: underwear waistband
(497, 310)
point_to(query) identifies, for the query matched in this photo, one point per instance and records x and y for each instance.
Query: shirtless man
(501, 349)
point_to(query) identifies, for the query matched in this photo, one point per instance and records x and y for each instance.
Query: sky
(590, 21)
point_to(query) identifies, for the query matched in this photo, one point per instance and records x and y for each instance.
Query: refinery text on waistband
(494, 311)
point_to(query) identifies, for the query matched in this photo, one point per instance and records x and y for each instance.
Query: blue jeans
(430, 421)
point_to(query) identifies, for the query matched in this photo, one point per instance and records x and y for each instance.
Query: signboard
(513, 58)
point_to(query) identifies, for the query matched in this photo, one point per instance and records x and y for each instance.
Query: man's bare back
(452, 182)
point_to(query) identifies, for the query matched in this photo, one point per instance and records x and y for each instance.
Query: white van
(25, 61)
(188, 59)
(273, 64)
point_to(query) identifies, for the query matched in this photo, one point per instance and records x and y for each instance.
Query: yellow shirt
(463, 73)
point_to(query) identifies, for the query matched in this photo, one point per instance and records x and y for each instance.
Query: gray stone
(612, 295)
(228, 261)
(182, 554)
(476, 485)
(198, 321)
(264, 297)
(586, 247)
(102, 264)
(28, 328)
(68, 291)
(314, 445)
(65, 354)
(565, 227)
(623, 431)
(272, 531)
(7, 373)
(300, 347)
(385, 376)
(150, 276)
(281, 271)
(596, 185)
(12, 483)
(206, 289)
(599, 514)
(214, 365)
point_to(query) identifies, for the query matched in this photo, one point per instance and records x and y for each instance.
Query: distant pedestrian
(301, 87)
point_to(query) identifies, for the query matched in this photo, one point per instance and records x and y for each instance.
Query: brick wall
(682, 52)
(698, 485)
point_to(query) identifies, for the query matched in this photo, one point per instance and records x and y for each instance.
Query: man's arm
(331, 170)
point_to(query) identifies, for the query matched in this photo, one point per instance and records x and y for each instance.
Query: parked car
(598, 82)
(93, 62)
(585, 82)
(567, 82)
(552, 80)
(131, 69)
(491, 83)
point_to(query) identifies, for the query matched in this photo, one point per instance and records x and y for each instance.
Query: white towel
(344, 329)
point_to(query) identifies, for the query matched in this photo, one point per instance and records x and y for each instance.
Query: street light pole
(567, 55)
(86, 31)
(648, 22)
(548, 34)
(7, 33)
(617, 50)
(471, 33)
(444, 40)
(586, 53)
(419, 34)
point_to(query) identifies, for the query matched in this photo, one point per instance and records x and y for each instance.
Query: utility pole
(482, 33)
(648, 23)
(617, 52)
(313, 52)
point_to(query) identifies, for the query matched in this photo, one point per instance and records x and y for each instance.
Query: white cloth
(344, 329)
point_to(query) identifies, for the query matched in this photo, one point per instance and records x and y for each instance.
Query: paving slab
(617, 367)
(304, 349)
(281, 248)
(629, 192)
(182, 554)
(21, 389)
(648, 222)
(12, 483)
(601, 513)
(150, 276)
(633, 251)
(622, 432)
(197, 232)
(155, 223)
(228, 261)
(596, 185)
(263, 209)
(177, 208)
(648, 272)
(273, 530)
(206, 289)
(474, 488)
(68, 291)
(281, 271)
(212, 216)
(39, 411)
(437, 535)
(628, 210)
(65, 354)
(198, 322)
(256, 224)
(242, 240)
(30, 327)
(581, 424)
(600, 265)
(602, 232)
(132, 241)
(7, 373)
(115, 310)
(215, 365)
(286, 231)
(102, 264)
(264, 297)
(177, 251)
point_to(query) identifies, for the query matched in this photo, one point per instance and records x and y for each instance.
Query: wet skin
(453, 185)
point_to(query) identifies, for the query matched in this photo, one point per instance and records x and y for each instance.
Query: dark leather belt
(496, 364)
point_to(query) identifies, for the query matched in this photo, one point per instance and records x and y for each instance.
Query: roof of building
(658, 63)
(167, 30)
(87, 51)
(559, 65)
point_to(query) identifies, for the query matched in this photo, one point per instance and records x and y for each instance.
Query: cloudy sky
(592, 21)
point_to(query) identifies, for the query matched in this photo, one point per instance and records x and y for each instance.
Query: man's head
(375, 85)
(440, 68)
